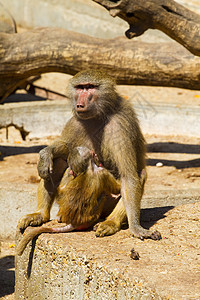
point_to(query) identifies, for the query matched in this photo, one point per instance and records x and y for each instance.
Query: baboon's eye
(86, 86)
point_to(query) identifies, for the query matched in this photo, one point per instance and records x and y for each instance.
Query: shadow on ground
(172, 147)
(7, 275)
(16, 150)
(193, 163)
(150, 216)
(153, 148)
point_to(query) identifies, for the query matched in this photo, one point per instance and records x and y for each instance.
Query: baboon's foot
(107, 227)
(142, 233)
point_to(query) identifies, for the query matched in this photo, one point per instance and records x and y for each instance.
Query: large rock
(77, 265)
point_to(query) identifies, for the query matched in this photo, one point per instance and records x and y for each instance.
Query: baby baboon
(107, 123)
(81, 195)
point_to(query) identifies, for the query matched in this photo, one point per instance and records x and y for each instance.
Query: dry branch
(175, 20)
(57, 50)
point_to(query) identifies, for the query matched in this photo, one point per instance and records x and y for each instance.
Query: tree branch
(175, 20)
(57, 50)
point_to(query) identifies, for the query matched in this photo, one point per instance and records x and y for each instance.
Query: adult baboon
(107, 123)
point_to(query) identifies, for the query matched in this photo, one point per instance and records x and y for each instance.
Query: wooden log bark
(58, 50)
(175, 20)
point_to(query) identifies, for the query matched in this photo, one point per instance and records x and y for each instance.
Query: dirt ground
(173, 162)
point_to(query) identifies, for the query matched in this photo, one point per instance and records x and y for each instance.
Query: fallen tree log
(175, 20)
(57, 50)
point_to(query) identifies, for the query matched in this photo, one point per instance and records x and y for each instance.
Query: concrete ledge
(79, 266)
(37, 119)
(41, 119)
(16, 201)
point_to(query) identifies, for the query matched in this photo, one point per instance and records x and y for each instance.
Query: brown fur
(81, 196)
(81, 200)
(107, 123)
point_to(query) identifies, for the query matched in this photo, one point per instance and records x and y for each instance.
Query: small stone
(134, 254)
(159, 164)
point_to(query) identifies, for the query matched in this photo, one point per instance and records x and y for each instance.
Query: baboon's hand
(33, 219)
(45, 164)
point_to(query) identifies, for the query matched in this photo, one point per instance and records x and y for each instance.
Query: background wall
(83, 16)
